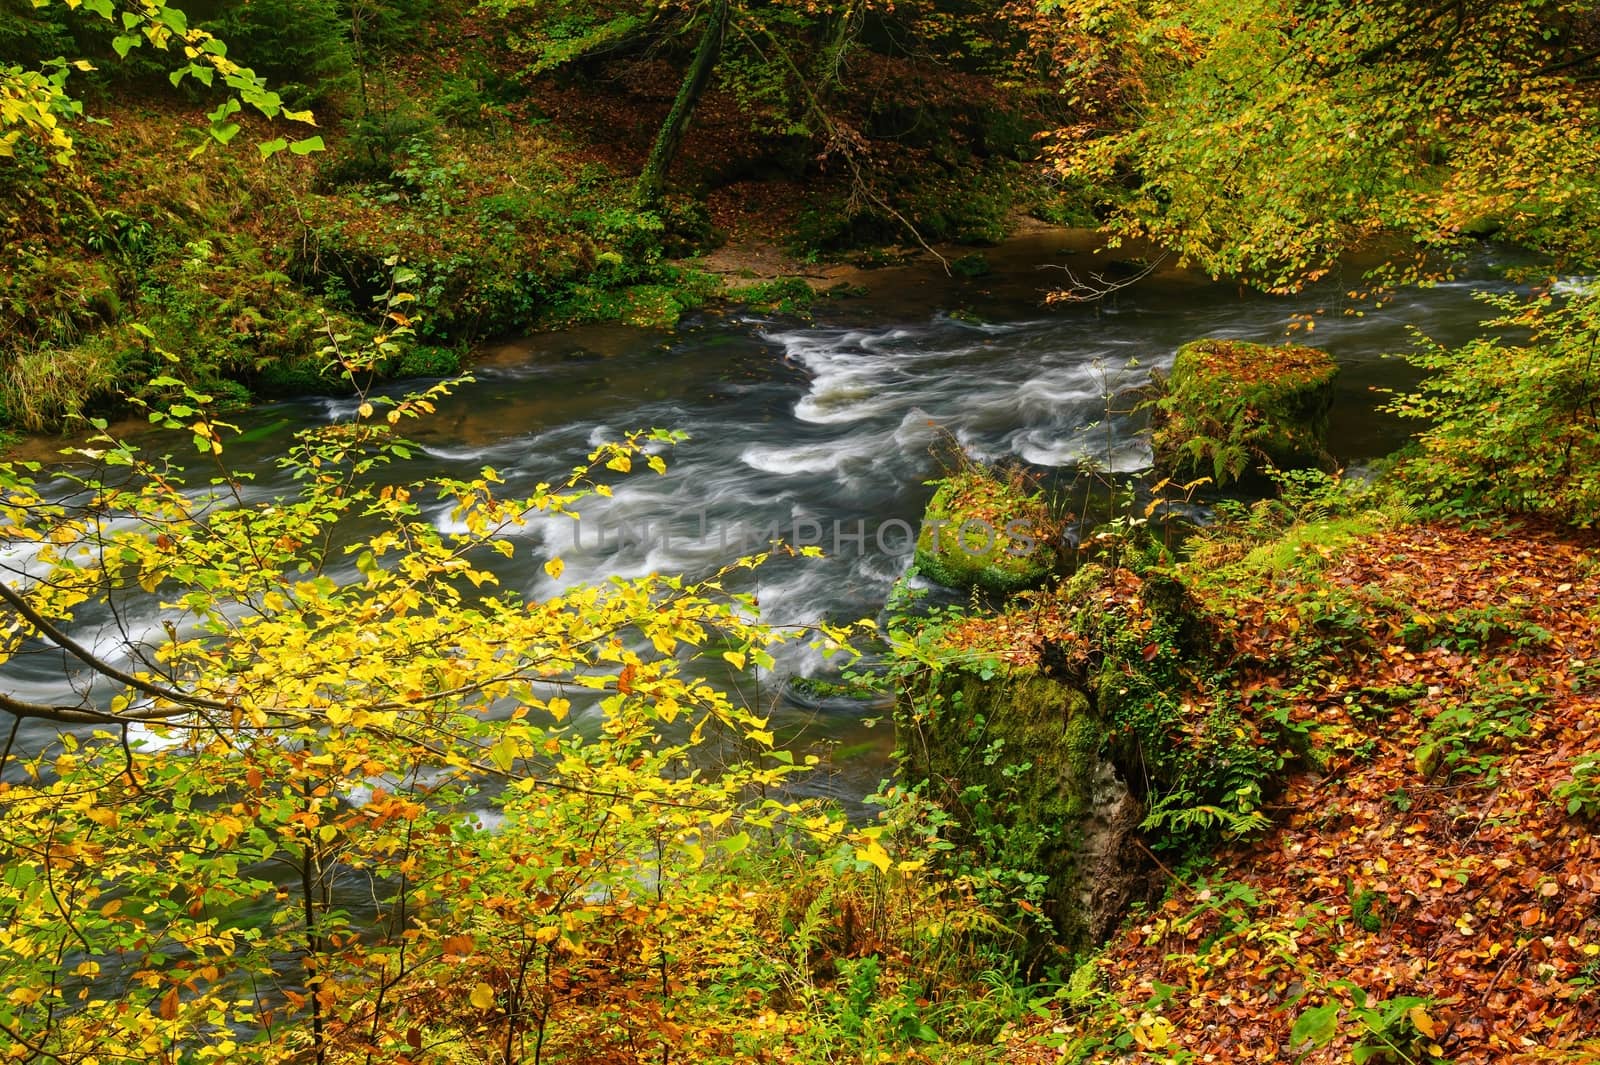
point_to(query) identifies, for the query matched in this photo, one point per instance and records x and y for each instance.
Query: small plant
(1397, 1031)
(1468, 738)
(1581, 791)
(1367, 909)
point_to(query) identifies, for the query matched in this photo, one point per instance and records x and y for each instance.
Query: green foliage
(1387, 1031)
(34, 102)
(791, 297)
(1467, 739)
(301, 46)
(1203, 777)
(475, 96)
(499, 245)
(970, 203)
(561, 31)
(1367, 909)
(1512, 426)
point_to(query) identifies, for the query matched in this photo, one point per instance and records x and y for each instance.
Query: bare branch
(1097, 287)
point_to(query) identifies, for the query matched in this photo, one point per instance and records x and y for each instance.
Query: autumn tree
(349, 798)
(1264, 139)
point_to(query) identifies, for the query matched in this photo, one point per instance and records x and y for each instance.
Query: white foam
(810, 458)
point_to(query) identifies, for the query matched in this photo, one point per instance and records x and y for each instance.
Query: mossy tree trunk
(653, 181)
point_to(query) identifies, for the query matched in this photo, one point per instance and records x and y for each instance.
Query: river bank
(500, 201)
(1422, 884)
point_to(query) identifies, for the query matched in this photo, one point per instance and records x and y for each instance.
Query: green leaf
(174, 19)
(270, 148)
(1315, 1026)
(307, 146)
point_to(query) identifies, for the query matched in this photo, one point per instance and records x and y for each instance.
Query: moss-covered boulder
(1077, 732)
(987, 530)
(1230, 408)
(1017, 757)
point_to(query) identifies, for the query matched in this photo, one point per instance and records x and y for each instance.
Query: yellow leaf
(1422, 1022)
(734, 657)
(483, 996)
(874, 853)
(504, 753)
(1153, 1034)
(365, 410)
(554, 568)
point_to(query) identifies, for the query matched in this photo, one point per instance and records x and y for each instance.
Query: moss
(1368, 908)
(1015, 755)
(298, 379)
(972, 266)
(983, 530)
(819, 693)
(427, 360)
(791, 297)
(1230, 408)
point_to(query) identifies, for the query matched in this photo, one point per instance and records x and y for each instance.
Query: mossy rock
(1231, 408)
(983, 530)
(1019, 759)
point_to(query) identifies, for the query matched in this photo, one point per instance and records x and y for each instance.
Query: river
(827, 432)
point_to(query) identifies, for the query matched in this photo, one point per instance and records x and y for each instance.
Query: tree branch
(49, 631)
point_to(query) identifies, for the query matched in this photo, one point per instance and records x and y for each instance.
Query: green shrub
(1512, 426)
(788, 296)
(1581, 792)
(427, 360)
(29, 34)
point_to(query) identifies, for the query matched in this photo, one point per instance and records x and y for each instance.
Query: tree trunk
(653, 181)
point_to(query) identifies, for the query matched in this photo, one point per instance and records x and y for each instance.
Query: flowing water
(827, 433)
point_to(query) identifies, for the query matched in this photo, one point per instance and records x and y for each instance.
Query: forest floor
(1430, 889)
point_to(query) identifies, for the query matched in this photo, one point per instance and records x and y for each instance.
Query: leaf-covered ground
(1424, 894)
